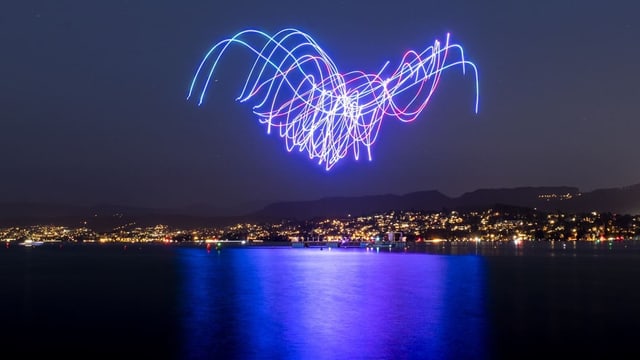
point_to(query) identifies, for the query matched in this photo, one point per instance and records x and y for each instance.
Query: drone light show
(297, 90)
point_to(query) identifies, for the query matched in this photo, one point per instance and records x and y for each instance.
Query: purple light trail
(298, 90)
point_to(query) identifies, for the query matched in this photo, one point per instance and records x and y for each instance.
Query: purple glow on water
(351, 304)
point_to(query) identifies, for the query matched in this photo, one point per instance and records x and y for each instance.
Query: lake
(434, 301)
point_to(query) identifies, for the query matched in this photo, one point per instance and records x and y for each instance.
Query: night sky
(93, 102)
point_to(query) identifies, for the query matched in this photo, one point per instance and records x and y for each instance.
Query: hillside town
(492, 225)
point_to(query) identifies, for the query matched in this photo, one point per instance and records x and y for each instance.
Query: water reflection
(312, 304)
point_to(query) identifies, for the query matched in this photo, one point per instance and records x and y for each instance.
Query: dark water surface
(434, 302)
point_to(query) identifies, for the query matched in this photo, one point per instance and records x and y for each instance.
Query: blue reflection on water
(340, 304)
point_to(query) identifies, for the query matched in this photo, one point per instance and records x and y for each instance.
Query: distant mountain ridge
(624, 200)
(431, 200)
(357, 205)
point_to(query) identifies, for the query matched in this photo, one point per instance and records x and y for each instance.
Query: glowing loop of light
(299, 91)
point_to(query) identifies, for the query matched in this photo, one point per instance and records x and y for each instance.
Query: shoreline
(441, 247)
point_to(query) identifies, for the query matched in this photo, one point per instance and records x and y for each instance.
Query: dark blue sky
(93, 100)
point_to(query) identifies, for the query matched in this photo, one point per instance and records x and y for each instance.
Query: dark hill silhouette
(355, 206)
(422, 201)
(624, 200)
(38, 210)
(521, 196)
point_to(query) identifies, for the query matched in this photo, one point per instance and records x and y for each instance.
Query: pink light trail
(298, 91)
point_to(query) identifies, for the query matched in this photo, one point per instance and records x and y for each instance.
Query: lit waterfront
(405, 226)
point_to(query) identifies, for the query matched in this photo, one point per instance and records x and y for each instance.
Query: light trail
(298, 91)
